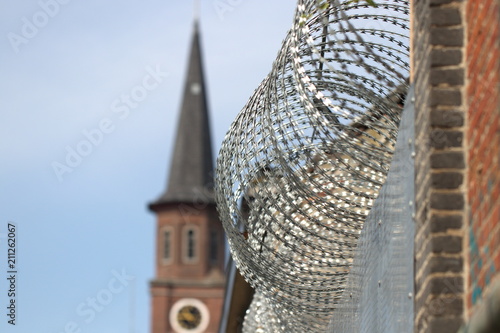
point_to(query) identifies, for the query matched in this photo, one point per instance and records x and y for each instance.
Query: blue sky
(83, 232)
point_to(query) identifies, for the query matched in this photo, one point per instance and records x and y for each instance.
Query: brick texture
(438, 73)
(456, 69)
(483, 144)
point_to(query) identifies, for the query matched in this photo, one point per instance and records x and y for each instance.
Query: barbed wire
(302, 164)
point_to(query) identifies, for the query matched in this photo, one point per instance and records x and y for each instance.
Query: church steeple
(191, 167)
(188, 288)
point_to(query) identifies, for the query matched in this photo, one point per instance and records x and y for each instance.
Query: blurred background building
(187, 291)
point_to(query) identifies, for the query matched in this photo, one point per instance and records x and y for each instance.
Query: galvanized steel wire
(303, 162)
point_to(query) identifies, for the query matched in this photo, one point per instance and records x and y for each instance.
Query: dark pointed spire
(191, 169)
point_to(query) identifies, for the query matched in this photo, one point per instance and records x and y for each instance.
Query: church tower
(188, 290)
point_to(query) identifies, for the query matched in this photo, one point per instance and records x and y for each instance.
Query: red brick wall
(438, 73)
(483, 141)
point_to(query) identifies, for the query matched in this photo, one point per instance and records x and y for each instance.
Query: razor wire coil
(302, 164)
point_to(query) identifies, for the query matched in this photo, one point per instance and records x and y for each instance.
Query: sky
(75, 176)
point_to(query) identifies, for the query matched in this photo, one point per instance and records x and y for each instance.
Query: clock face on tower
(189, 315)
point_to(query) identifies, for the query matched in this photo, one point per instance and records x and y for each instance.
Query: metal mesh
(303, 162)
(260, 317)
(378, 296)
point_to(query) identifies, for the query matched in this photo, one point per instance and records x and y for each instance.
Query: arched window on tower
(166, 245)
(190, 244)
